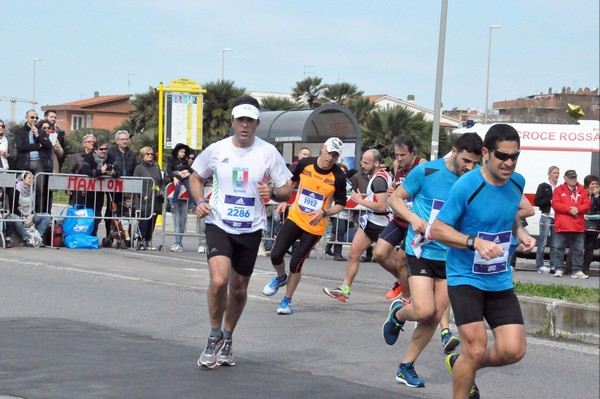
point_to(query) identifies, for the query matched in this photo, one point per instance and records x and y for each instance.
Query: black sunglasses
(2, 126)
(505, 157)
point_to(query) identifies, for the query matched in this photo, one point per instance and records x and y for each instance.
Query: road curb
(560, 319)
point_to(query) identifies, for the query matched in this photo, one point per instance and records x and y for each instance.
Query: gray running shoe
(208, 358)
(225, 357)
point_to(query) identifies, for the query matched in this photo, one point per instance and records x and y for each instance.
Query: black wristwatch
(471, 243)
(324, 213)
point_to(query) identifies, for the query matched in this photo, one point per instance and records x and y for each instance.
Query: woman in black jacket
(151, 194)
(179, 169)
(99, 164)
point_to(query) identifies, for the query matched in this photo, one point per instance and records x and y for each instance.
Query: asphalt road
(126, 324)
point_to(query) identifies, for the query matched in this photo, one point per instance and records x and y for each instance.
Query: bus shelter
(290, 130)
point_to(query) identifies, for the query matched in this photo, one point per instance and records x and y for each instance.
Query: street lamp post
(487, 83)
(33, 98)
(223, 61)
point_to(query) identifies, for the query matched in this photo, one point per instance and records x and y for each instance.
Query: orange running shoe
(394, 292)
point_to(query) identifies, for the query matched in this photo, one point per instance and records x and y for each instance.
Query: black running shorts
(425, 267)
(471, 304)
(242, 249)
(393, 233)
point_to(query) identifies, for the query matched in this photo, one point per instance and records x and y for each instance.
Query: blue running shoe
(285, 306)
(449, 341)
(272, 288)
(407, 375)
(391, 327)
(450, 360)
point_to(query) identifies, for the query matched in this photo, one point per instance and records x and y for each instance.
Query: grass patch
(558, 291)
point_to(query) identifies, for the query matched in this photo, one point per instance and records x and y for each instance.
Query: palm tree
(361, 107)
(217, 109)
(384, 125)
(340, 93)
(308, 91)
(277, 103)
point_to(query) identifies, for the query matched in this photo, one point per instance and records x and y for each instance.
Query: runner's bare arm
(446, 234)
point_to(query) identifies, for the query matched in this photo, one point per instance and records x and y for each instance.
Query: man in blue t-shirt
(477, 222)
(429, 185)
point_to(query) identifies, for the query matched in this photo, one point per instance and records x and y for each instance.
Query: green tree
(384, 125)
(308, 91)
(340, 93)
(361, 107)
(277, 104)
(217, 109)
(145, 113)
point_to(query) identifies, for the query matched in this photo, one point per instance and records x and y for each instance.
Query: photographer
(99, 164)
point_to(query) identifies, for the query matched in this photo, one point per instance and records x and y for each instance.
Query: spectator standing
(150, 201)
(570, 202)
(76, 164)
(4, 147)
(125, 162)
(57, 137)
(98, 164)
(234, 229)
(180, 169)
(54, 154)
(34, 154)
(592, 223)
(543, 200)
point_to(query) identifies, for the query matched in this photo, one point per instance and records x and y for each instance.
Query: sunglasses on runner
(505, 157)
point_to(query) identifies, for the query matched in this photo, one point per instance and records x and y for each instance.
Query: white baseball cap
(334, 144)
(247, 110)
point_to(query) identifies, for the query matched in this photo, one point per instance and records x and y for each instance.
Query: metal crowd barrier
(198, 231)
(81, 189)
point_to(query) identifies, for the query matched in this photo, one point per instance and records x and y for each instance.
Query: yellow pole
(161, 106)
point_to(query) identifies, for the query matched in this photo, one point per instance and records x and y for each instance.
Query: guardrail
(83, 190)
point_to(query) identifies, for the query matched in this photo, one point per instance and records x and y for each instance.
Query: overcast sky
(384, 47)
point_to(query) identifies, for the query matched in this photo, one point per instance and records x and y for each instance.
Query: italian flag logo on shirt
(240, 179)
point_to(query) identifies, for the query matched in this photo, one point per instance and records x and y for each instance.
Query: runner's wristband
(201, 202)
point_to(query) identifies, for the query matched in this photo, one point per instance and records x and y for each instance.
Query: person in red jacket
(570, 202)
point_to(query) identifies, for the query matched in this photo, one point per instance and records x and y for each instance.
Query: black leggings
(288, 234)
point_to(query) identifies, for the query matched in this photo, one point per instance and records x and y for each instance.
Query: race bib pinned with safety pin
(498, 264)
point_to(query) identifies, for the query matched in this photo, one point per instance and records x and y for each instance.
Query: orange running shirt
(316, 189)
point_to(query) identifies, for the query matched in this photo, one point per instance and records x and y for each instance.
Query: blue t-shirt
(429, 184)
(477, 208)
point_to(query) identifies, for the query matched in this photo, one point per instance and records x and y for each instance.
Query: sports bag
(79, 225)
(81, 241)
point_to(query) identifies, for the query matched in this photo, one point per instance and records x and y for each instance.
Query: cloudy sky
(384, 47)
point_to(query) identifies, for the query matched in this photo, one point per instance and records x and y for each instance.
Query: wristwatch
(471, 243)
(324, 213)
